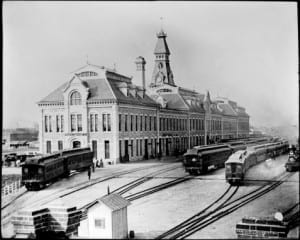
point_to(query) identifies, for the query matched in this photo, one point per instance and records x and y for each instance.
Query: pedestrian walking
(94, 164)
(89, 173)
(101, 163)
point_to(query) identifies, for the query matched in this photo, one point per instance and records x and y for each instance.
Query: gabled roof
(146, 100)
(241, 112)
(56, 95)
(114, 201)
(214, 109)
(105, 86)
(227, 109)
(174, 101)
(99, 89)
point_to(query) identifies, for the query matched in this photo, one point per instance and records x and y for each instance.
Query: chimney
(140, 66)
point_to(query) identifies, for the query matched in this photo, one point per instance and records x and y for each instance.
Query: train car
(198, 159)
(237, 145)
(293, 163)
(37, 172)
(238, 163)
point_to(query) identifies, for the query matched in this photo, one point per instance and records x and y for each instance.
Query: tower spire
(162, 73)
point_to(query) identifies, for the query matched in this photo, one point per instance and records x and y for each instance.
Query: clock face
(159, 79)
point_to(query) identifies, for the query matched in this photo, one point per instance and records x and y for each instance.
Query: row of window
(137, 123)
(59, 123)
(229, 126)
(60, 147)
(216, 125)
(48, 146)
(172, 124)
(243, 125)
(106, 122)
(140, 144)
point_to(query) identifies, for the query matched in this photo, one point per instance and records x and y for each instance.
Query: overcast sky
(247, 52)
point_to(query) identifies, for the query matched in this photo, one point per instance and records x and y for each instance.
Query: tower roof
(161, 45)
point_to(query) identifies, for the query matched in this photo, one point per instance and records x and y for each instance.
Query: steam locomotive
(293, 163)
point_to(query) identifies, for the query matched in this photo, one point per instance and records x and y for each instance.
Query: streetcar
(198, 159)
(37, 172)
(238, 163)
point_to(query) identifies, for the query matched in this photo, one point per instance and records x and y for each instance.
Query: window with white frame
(75, 98)
(76, 122)
(94, 122)
(106, 122)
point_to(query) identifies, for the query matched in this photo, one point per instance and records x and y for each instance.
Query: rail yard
(167, 201)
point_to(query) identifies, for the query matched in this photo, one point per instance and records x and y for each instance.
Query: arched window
(75, 98)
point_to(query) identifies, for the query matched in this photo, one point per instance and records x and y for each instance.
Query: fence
(11, 188)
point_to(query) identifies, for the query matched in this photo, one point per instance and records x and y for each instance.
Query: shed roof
(114, 201)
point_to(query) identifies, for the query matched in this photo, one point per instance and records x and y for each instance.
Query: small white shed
(106, 218)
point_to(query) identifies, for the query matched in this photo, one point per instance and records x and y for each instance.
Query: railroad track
(57, 194)
(133, 184)
(157, 188)
(200, 220)
(200, 215)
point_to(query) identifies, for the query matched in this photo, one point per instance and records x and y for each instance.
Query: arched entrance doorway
(76, 144)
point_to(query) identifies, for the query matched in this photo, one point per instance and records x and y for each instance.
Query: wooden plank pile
(60, 220)
(258, 228)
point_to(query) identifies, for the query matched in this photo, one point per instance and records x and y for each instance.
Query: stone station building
(103, 109)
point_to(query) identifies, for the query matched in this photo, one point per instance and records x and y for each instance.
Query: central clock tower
(162, 73)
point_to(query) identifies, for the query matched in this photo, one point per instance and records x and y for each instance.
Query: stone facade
(120, 121)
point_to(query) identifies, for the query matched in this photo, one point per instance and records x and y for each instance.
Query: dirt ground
(156, 213)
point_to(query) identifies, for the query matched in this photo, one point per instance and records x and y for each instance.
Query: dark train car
(198, 159)
(78, 159)
(37, 172)
(237, 145)
(293, 162)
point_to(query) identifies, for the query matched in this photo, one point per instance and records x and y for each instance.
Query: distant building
(120, 121)
(106, 218)
(24, 134)
(19, 137)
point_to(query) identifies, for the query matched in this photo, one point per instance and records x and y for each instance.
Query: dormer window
(87, 74)
(75, 98)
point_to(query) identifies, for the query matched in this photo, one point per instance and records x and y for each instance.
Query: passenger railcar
(39, 171)
(238, 163)
(198, 159)
(237, 145)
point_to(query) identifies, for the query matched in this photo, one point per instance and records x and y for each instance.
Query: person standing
(89, 173)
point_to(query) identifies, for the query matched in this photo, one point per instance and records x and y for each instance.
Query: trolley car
(238, 163)
(37, 172)
(198, 159)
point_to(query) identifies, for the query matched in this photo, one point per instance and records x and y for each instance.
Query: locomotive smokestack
(140, 66)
